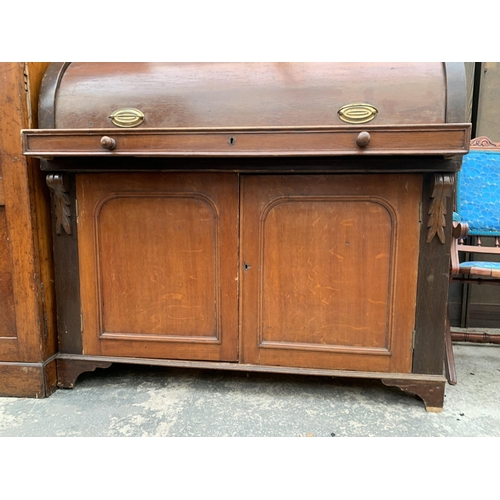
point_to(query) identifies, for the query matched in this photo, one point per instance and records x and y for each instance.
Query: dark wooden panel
(159, 264)
(45, 259)
(68, 370)
(344, 164)
(7, 311)
(66, 271)
(433, 285)
(50, 376)
(50, 85)
(455, 297)
(329, 270)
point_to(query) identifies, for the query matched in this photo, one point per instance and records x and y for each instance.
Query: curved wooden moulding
(68, 371)
(483, 142)
(430, 388)
(431, 392)
(444, 139)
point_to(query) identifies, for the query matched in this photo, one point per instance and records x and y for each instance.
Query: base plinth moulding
(430, 388)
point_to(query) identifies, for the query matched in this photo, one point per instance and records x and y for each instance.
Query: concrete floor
(150, 401)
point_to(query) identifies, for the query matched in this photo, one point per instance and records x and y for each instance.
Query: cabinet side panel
(16, 96)
(432, 289)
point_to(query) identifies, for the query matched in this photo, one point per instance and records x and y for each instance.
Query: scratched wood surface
(27, 316)
(248, 94)
(7, 312)
(330, 266)
(442, 139)
(19, 84)
(328, 280)
(158, 264)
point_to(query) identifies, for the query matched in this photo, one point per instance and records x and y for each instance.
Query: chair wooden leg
(451, 374)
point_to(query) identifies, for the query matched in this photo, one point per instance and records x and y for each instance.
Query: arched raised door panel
(159, 265)
(329, 281)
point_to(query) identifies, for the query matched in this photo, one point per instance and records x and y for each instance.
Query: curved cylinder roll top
(189, 95)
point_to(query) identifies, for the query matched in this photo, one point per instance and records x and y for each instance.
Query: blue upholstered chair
(477, 215)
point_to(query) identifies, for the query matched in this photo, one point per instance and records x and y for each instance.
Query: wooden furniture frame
(261, 191)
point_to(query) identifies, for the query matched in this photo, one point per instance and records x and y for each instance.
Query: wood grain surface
(18, 196)
(442, 139)
(249, 94)
(329, 270)
(7, 310)
(291, 271)
(159, 264)
(27, 326)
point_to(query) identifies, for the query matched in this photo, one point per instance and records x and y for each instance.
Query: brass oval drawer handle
(108, 143)
(363, 139)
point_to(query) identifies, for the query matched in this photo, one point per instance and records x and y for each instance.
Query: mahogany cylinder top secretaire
(281, 217)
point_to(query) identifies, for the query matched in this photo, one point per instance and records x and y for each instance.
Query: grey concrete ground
(150, 401)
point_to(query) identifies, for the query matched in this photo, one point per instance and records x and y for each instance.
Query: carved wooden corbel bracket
(443, 188)
(61, 203)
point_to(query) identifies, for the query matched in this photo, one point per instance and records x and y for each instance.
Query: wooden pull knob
(363, 139)
(108, 143)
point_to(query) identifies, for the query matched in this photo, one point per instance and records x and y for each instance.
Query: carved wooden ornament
(484, 142)
(61, 202)
(443, 185)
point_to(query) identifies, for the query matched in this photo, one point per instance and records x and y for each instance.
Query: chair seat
(481, 268)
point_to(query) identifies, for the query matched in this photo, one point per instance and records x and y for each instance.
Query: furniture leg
(451, 374)
(68, 370)
(432, 393)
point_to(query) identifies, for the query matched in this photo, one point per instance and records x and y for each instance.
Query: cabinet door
(329, 270)
(159, 264)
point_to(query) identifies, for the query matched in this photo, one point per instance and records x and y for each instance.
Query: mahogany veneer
(226, 216)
